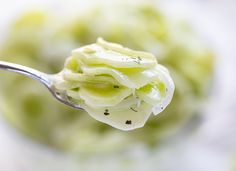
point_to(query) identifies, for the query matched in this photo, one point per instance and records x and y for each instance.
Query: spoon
(45, 79)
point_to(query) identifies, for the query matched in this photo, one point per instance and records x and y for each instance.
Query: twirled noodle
(116, 85)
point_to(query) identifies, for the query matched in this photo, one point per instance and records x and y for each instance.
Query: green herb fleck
(137, 60)
(106, 112)
(128, 122)
(116, 86)
(133, 109)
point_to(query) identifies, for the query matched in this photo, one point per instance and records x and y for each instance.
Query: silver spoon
(45, 79)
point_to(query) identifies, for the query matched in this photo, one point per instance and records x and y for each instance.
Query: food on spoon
(116, 85)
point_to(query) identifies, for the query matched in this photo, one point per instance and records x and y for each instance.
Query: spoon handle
(44, 78)
(30, 72)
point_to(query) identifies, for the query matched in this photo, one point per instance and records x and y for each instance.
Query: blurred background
(194, 39)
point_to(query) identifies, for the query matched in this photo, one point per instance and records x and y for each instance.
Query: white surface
(212, 147)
